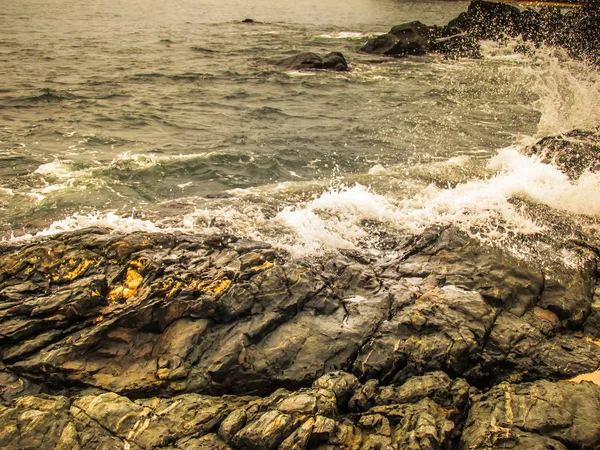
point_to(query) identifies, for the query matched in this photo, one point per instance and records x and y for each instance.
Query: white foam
(107, 220)
(7, 192)
(502, 50)
(377, 169)
(296, 73)
(568, 90)
(346, 35)
(59, 169)
(350, 217)
(569, 94)
(145, 160)
(339, 217)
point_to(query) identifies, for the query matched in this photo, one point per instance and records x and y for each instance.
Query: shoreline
(155, 340)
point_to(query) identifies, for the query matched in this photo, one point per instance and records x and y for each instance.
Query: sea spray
(568, 90)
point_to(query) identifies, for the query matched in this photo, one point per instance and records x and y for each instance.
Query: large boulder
(402, 40)
(162, 314)
(540, 415)
(493, 20)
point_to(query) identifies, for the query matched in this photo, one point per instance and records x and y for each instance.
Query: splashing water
(569, 92)
(355, 214)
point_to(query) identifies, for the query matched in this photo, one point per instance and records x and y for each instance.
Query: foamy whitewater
(310, 162)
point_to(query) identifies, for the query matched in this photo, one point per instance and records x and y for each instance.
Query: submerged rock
(311, 61)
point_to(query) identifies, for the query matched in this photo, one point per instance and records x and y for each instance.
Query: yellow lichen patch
(137, 264)
(221, 286)
(98, 319)
(266, 265)
(169, 286)
(115, 294)
(73, 272)
(214, 286)
(133, 280)
(593, 341)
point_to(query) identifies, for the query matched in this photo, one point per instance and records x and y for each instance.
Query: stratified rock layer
(176, 341)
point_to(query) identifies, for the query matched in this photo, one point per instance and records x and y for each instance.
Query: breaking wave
(373, 211)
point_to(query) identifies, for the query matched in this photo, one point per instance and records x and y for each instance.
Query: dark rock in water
(218, 195)
(310, 61)
(457, 46)
(410, 30)
(248, 21)
(461, 23)
(492, 20)
(487, 20)
(177, 341)
(573, 153)
(577, 30)
(380, 45)
(540, 415)
(402, 40)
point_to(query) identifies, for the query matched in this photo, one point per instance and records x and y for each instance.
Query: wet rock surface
(402, 40)
(573, 153)
(311, 61)
(177, 341)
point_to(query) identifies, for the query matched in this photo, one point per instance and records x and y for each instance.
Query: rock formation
(573, 153)
(312, 61)
(577, 31)
(402, 40)
(174, 341)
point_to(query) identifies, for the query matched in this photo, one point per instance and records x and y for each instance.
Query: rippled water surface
(148, 114)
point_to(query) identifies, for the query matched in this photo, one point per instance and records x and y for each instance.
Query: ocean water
(148, 115)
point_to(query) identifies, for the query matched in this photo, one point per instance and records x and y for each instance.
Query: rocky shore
(172, 341)
(177, 341)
